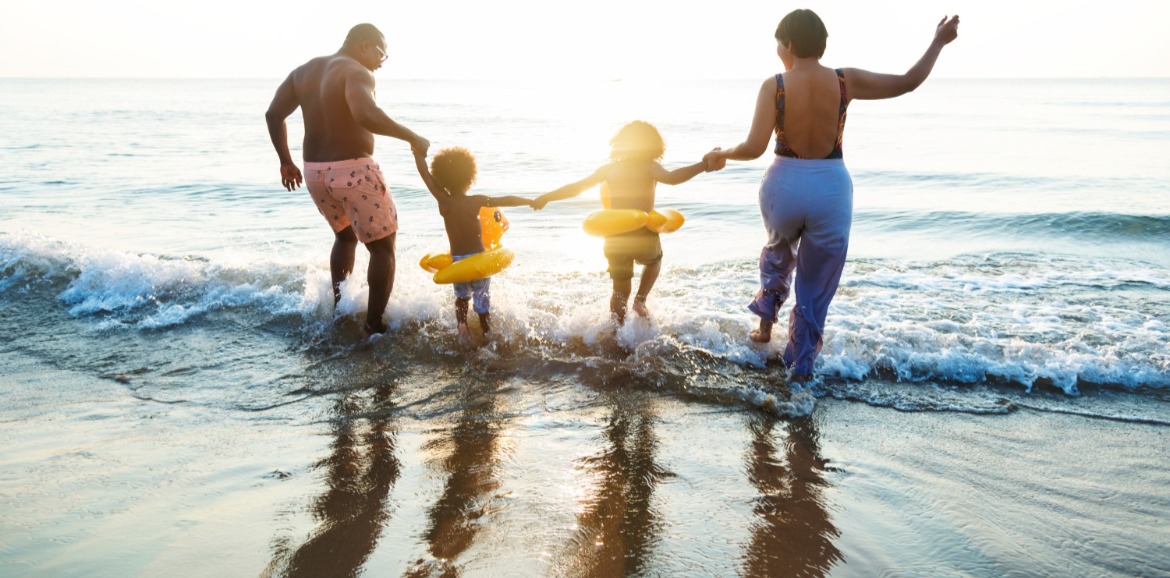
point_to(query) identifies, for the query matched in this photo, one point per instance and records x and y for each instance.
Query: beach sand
(480, 473)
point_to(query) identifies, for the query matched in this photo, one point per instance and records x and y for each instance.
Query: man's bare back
(336, 96)
(332, 133)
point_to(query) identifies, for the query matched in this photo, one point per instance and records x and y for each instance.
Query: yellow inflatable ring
(608, 222)
(433, 262)
(477, 266)
(665, 221)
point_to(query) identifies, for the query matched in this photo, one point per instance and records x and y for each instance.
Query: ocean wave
(1010, 320)
(1085, 226)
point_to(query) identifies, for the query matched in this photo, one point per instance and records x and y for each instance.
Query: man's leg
(341, 259)
(380, 277)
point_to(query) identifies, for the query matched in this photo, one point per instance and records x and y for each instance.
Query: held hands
(714, 160)
(419, 146)
(947, 30)
(290, 176)
(539, 202)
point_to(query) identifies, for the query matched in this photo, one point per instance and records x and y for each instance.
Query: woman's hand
(714, 160)
(947, 30)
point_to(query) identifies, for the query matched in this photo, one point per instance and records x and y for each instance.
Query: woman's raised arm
(865, 85)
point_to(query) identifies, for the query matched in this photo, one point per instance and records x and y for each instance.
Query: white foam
(959, 323)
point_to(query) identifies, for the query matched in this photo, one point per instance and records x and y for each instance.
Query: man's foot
(640, 306)
(463, 331)
(763, 333)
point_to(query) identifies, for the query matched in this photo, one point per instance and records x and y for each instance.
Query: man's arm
(677, 176)
(420, 162)
(571, 190)
(359, 95)
(284, 103)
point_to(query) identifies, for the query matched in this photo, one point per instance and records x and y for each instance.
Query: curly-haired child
(449, 178)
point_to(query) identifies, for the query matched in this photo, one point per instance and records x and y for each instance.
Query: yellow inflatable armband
(492, 224)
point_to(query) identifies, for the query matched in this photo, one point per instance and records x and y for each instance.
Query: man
(336, 96)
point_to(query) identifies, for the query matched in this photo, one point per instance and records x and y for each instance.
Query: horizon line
(565, 78)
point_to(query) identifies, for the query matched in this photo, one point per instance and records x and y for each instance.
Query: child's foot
(763, 333)
(640, 306)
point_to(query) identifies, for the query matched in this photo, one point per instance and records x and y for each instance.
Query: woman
(806, 197)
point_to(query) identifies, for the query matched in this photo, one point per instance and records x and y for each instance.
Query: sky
(590, 39)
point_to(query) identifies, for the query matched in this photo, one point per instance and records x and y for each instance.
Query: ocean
(1009, 255)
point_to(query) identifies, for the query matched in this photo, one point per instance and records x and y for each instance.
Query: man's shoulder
(330, 64)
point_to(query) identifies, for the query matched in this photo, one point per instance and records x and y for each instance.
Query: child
(450, 177)
(630, 179)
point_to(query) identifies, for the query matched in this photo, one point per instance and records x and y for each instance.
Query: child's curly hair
(453, 169)
(637, 141)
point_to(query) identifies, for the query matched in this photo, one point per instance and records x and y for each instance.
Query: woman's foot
(369, 330)
(763, 333)
(801, 378)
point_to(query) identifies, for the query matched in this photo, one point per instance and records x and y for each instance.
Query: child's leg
(621, 271)
(462, 297)
(461, 313)
(649, 276)
(620, 297)
(481, 291)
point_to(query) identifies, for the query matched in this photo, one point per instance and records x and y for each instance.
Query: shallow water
(426, 471)
(992, 395)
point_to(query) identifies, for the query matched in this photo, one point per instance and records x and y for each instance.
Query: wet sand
(475, 473)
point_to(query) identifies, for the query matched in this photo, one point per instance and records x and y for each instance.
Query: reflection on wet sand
(617, 528)
(792, 535)
(455, 517)
(360, 472)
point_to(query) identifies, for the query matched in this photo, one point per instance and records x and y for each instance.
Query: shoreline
(482, 473)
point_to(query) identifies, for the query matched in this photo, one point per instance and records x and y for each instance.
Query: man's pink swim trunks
(353, 192)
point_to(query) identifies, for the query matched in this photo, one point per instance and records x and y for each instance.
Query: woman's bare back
(812, 103)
